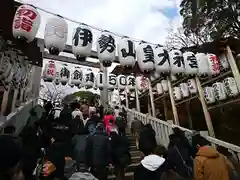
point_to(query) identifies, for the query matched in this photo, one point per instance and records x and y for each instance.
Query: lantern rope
(93, 27)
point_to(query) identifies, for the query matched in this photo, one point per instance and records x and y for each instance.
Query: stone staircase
(135, 156)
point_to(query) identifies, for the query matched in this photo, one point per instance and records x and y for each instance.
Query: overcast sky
(147, 20)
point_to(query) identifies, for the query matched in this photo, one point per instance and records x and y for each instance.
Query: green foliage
(220, 18)
(86, 96)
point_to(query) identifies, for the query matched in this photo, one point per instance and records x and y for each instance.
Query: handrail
(164, 129)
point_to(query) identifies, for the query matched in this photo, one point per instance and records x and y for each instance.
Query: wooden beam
(70, 60)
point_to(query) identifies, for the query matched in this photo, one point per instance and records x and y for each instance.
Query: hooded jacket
(151, 167)
(209, 164)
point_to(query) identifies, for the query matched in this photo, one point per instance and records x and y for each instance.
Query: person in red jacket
(110, 123)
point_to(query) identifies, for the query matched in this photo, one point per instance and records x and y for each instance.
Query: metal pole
(151, 98)
(137, 100)
(204, 107)
(126, 97)
(105, 88)
(233, 66)
(174, 108)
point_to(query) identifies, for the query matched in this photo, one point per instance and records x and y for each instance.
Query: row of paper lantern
(220, 91)
(149, 58)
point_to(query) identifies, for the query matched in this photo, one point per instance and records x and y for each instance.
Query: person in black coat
(91, 124)
(147, 140)
(98, 153)
(179, 156)
(120, 154)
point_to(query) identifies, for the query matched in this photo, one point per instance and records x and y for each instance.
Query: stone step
(131, 167)
(135, 153)
(128, 176)
(136, 159)
(133, 148)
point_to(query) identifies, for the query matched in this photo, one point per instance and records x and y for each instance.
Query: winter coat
(175, 156)
(77, 126)
(147, 140)
(79, 146)
(209, 164)
(136, 126)
(98, 149)
(91, 124)
(120, 122)
(151, 167)
(120, 151)
(108, 124)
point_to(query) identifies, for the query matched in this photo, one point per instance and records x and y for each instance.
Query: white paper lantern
(203, 67)
(64, 75)
(177, 93)
(26, 23)
(209, 95)
(88, 78)
(176, 61)
(77, 76)
(184, 90)
(121, 82)
(224, 65)
(164, 85)
(145, 57)
(112, 82)
(126, 52)
(49, 72)
(161, 60)
(95, 83)
(106, 49)
(219, 91)
(70, 84)
(82, 41)
(55, 35)
(159, 88)
(99, 80)
(192, 86)
(214, 64)
(173, 78)
(131, 82)
(230, 86)
(190, 62)
(141, 83)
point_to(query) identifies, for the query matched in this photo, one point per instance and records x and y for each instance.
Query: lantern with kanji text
(192, 86)
(230, 86)
(106, 49)
(161, 60)
(131, 81)
(184, 90)
(209, 95)
(176, 61)
(77, 76)
(141, 83)
(55, 35)
(49, 72)
(126, 52)
(177, 93)
(203, 66)
(219, 91)
(82, 41)
(64, 75)
(88, 78)
(214, 64)
(190, 62)
(145, 57)
(26, 23)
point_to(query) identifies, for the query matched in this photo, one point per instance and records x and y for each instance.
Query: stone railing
(19, 117)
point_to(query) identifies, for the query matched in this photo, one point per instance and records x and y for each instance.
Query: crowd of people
(181, 160)
(82, 142)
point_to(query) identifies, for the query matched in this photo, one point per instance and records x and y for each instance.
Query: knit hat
(10, 153)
